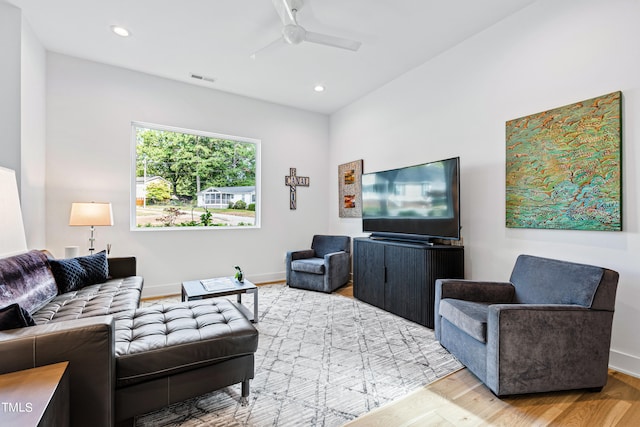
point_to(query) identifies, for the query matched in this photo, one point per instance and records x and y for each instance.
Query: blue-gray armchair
(325, 267)
(548, 329)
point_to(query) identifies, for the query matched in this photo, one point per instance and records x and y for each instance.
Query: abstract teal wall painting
(564, 167)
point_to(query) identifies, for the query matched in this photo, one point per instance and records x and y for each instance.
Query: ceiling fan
(293, 33)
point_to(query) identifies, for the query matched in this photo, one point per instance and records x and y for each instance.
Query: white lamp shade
(91, 213)
(12, 237)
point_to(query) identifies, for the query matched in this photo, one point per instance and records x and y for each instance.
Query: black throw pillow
(72, 274)
(13, 317)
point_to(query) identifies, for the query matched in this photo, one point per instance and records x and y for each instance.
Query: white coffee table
(220, 287)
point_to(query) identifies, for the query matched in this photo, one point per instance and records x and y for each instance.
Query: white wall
(32, 136)
(553, 53)
(90, 108)
(10, 24)
(22, 116)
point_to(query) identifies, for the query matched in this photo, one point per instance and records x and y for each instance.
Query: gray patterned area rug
(322, 360)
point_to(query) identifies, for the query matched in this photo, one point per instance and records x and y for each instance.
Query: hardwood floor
(346, 290)
(460, 399)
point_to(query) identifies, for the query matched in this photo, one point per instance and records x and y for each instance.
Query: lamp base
(91, 241)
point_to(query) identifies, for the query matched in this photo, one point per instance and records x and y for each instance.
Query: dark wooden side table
(35, 397)
(222, 286)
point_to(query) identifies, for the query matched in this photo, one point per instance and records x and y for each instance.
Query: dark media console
(399, 276)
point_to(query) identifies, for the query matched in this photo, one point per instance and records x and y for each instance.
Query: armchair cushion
(323, 245)
(309, 265)
(469, 290)
(550, 281)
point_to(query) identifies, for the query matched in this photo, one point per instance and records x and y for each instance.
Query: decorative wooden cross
(293, 181)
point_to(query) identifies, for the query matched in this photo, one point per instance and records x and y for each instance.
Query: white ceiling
(215, 38)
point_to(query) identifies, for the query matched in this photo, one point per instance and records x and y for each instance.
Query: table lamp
(92, 214)
(12, 237)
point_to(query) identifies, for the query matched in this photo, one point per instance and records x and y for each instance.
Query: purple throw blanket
(27, 280)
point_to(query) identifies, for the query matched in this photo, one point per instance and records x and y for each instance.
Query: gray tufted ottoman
(168, 353)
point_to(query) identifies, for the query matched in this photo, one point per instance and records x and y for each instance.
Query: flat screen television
(420, 202)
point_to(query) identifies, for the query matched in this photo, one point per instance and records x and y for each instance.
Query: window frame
(133, 171)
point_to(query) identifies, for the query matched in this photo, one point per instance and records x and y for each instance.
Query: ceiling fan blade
(270, 46)
(283, 8)
(288, 8)
(332, 41)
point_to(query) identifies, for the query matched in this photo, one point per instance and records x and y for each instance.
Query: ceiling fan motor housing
(293, 34)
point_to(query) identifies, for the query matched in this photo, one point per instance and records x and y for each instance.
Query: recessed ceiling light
(319, 88)
(121, 31)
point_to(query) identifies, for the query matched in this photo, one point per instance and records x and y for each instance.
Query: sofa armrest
(469, 290)
(120, 267)
(89, 346)
(294, 255)
(540, 347)
(306, 253)
(473, 290)
(335, 260)
(338, 267)
(339, 256)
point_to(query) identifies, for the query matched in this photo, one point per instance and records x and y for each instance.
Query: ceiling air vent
(204, 78)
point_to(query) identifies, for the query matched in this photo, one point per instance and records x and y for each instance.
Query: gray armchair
(547, 329)
(325, 267)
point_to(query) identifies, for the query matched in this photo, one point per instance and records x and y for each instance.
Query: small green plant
(251, 207)
(239, 275)
(240, 204)
(205, 218)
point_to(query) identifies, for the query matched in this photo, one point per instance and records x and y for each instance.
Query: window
(185, 178)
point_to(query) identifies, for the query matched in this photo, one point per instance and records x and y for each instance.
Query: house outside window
(186, 179)
(222, 197)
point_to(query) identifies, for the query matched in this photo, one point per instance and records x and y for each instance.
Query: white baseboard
(154, 291)
(625, 363)
(267, 277)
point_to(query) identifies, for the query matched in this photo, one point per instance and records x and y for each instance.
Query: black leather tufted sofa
(125, 361)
